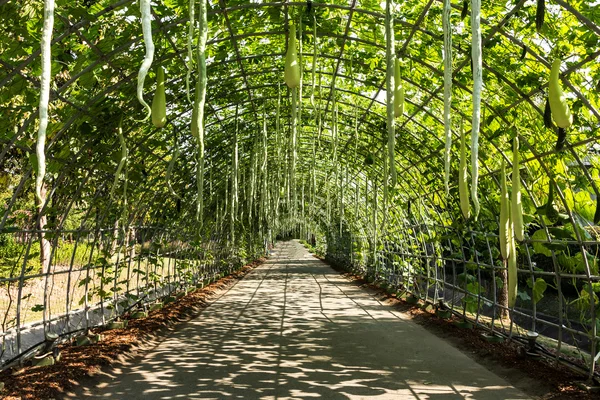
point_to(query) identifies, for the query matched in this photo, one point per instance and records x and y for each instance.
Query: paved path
(294, 328)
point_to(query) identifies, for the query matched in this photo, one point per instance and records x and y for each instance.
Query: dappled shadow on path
(294, 328)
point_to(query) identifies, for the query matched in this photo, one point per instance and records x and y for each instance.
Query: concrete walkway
(294, 328)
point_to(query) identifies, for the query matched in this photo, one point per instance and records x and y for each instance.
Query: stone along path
(295, 328)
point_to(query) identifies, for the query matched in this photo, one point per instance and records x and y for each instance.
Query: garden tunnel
(128, 213)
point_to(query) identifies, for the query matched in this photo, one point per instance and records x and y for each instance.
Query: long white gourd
(516, 205)
(391, 89)
(447, 89)
(146, 13)
(190, 39)
(46, 47)
(512, 268)
(398, 90)
(122, 161)
(504, 233)
(198, 118)
(477, 88)
(463, 179)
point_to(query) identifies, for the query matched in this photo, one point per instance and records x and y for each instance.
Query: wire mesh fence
(458, 271)
(95, 277)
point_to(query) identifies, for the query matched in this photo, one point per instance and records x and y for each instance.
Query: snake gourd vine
(314, 65)
(264, 172)
(390, 67)
(46, 53)
(558, 105)
(512, 257)
(477, 88)
(463, 180)
(159, 102)
(146, 12)
(357, 189)
(280, 181)
(299, 105)
(234, 177)
(517, 206)
(447, 89)
(291, 75)
(504, 225)
(198, 112)
(314, 107)
(172, 162)
(123, 159)
(508, 248)
(190, 40)
(398, 90)
(512, 271)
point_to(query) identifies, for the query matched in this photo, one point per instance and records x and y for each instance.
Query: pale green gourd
(517, 206)
(504, 225)
(558, 102)
(292, 68)
(398, 90)
(159, 102)
(463, 179)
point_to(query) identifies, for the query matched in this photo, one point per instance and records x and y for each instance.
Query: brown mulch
(117, 344)
(540, 377)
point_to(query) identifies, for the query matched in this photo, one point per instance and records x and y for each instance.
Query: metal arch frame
(368, 112)
(372, 44)
(379, 15)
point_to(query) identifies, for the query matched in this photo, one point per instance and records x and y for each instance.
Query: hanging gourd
(146, 13)
(394, 102)
(172, 162)
(159, 102)
(190, 39)
(123, 160)
(195, 109)
(398, 90)
(447, 90)
(512, 273)
(198, 109)
(540, 11)
(558, 105)
(292, 67)
(517, 206)
(476, 58)
(46, 47)
(505, 228)
(463, 184)
(506, 237)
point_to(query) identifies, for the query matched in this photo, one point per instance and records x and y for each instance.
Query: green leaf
(539, 247)
(84, 281)
(524, 296)
(37, 308)
(539, 287)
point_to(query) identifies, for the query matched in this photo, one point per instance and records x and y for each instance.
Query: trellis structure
(104, 255)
